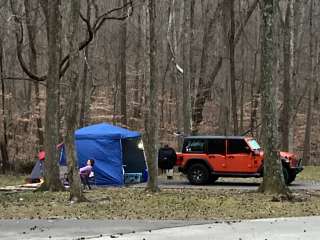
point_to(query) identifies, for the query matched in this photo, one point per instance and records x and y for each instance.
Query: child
(85, 172)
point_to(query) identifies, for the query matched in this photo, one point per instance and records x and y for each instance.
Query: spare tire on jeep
(166, 157)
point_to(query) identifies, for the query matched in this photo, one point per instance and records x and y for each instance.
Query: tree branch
(91, 32)
(19, 40)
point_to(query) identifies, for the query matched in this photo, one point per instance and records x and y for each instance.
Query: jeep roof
(215, 137)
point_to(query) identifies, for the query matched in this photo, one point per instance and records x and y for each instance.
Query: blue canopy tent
(115, 151)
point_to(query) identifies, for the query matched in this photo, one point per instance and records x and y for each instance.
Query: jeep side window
(237, 146)
(216, 146)
(194, 146)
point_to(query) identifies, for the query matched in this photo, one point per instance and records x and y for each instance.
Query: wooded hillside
(204, 77)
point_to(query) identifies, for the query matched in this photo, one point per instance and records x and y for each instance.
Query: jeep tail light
(179, 160)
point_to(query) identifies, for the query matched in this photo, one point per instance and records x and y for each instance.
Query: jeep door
(239, 156)
(217, 154)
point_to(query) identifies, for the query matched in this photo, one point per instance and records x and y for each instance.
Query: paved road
(265, 229)
(81, 229)
(233, 183)
(304, 228)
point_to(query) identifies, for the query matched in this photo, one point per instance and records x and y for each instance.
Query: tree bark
(287, 75)
(151, 123)
(231, 48)
(84, 86)
(186, 98)
(136, 98)
(273, 180)
(31, 22)
(3, 138)
(202, 91)
(51, 180)
(72, 119)
(123, 69)
(307, 135)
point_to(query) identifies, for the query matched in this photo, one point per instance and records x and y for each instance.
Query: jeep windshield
(254, 145)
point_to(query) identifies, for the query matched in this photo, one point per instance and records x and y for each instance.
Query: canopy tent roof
(105, 130)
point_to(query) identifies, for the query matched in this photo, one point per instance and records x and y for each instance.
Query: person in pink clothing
(85, 172)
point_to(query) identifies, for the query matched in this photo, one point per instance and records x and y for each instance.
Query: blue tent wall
(103, 143)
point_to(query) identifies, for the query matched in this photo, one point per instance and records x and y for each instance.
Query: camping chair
(86, 180)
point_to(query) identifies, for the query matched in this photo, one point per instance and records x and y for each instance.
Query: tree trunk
(202, 91)
(307, 135)
(123, 69)
(273, 180)
(186, 98)
(231, 43)
(52, 181)
(151, 123)
(72, 120)
(84, 86)
(287, 74)
(3, 138)
(137, 83)
(33, 62)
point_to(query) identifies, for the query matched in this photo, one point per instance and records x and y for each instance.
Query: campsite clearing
(135, 203)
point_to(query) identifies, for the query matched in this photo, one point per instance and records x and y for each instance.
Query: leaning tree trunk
(151, 123)
(273, 180)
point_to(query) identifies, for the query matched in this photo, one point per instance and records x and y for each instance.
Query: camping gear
(117, 152)
(37, 171)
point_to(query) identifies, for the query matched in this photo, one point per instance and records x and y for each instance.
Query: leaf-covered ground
(135, 203)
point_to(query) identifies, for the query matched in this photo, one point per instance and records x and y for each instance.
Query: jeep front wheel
(198, 174)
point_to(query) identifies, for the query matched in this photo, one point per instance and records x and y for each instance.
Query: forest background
(207, 71)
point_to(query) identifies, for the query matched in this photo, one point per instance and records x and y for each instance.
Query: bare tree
(151, 118)
(307, 136)
(123, 69)
(273, 180)
(72, 119)
(3, 138)
(31, 23)
(52, 13)
(186, 49)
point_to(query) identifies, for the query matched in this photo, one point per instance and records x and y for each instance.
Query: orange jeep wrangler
(206, 158)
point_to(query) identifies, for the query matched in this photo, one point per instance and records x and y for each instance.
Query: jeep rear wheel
(198, 174)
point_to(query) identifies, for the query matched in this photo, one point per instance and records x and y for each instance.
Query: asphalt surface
(81, 229)
(232, 183)
(303, 228)
(264, 229)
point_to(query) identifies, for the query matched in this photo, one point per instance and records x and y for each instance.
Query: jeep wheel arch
(197, 160)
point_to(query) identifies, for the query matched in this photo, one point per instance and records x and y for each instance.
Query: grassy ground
(310, 173)
(135, 203)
